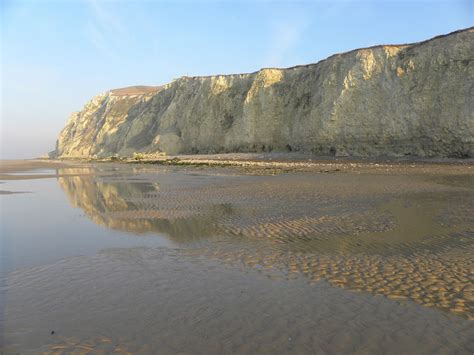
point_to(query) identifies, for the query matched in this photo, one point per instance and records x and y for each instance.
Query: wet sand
(361, 257)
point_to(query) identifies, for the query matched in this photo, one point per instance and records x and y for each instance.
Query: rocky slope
(414, 99)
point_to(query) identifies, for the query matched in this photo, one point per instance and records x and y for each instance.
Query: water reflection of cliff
(135, 207)
(190, 206)
(186, 209)
(417, 246)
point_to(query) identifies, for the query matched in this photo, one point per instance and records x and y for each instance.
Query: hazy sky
(57, 54)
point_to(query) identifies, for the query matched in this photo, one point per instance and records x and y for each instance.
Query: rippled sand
(164, 301)
(405, 236)
(369, 258)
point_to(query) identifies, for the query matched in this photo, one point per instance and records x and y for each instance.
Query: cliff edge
(388, 100)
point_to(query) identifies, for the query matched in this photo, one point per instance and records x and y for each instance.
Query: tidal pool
(159, 259)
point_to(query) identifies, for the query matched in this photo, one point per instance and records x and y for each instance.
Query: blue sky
(57, 54)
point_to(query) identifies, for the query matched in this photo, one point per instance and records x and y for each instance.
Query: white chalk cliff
(395, 100)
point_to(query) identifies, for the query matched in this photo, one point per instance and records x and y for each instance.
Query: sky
(56, 55)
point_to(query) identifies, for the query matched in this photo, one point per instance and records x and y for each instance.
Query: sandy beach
(370, 251)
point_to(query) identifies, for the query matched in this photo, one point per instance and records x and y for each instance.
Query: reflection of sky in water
(41, 227)
(87, 209)
(34, 172)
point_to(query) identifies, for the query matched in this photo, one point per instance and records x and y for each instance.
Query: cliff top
(142, 90)
(135, 90)
(414, 44)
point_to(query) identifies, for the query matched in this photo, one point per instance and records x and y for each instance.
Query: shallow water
(156, 259)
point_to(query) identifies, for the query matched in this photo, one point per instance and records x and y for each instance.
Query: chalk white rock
(385, 100)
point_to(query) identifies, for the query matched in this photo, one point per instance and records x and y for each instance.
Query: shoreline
(253, 162)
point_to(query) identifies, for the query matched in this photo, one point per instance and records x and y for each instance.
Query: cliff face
(386, 100)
